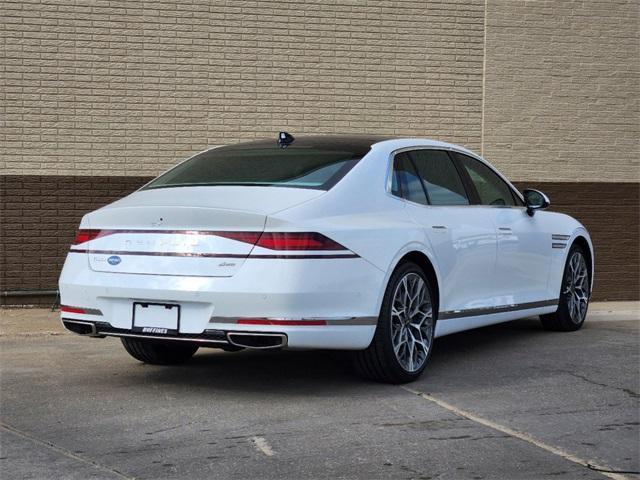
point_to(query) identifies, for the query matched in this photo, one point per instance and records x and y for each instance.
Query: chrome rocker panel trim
(472, 312)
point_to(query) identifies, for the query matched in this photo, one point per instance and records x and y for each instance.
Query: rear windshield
(308, 163)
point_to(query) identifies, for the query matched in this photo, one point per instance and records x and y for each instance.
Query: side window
(441, 179)
(492, 190)
(406, 183)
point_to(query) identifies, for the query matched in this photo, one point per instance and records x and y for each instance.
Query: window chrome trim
(389, 179)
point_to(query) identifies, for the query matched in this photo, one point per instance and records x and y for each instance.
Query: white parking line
(519, 435)
(262, 446)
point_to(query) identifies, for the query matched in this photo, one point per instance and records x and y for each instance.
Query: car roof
(360, 143)
(397, 143)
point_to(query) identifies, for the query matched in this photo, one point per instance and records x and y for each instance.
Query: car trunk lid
(177, 231)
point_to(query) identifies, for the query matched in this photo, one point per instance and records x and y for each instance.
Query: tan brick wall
(562, 84)
(96, 96)
(130, 87)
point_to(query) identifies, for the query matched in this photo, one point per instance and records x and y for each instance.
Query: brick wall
(98, 96)
(562, 89)
(612, 225)
(129, 87)
(40, 214)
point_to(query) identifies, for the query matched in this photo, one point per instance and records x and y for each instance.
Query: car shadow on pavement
(307, 372)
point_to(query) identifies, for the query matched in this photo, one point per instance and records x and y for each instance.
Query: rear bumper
(208, 338)
(330, 337)
(329, 303)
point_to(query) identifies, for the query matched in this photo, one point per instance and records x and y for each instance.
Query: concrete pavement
(509, 401)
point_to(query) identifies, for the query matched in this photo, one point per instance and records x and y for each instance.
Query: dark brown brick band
(38, 219)
(39, 216)
(611, 213)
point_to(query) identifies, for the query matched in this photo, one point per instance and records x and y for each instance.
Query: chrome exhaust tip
(86, 329)
(257, 341)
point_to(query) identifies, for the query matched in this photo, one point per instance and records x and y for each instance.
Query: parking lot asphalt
(509, 401)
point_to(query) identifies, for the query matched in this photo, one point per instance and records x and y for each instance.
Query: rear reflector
(297, 241)
(82, 310)
(268, 321)
(68, 309)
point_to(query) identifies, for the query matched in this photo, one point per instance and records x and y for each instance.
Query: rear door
(462, 237)
(524, 245)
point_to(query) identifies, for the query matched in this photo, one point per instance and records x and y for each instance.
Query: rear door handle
(439, 227)
(504, 230)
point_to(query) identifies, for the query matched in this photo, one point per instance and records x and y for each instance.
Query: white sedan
(371, 244)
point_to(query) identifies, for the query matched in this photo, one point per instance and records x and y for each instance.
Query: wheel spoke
(423, 345)
(425, 315)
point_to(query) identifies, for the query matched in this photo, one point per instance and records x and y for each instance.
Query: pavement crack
(167, 429)
(628, 391)
(603, 470)
(63, 451)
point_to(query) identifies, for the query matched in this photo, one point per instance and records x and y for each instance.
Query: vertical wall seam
(484, 78)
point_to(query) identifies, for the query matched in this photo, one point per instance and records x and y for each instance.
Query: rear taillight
(269, 240)
(85, 235)
(247, 237)
(297, 241)
(285, 240)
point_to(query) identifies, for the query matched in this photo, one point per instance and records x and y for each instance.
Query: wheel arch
(581, 241)
(423, 261)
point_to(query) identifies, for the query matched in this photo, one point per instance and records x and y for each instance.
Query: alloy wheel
(577, 287)
(411, 322)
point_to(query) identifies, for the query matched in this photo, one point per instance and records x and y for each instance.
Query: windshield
(310, 162)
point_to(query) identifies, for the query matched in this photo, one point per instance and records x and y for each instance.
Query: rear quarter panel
(359, 214)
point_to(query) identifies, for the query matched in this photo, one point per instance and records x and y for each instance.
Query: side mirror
(535, 200)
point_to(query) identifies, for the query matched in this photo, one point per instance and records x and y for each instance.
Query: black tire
(563, 319)
(379, 362)
(157, 352)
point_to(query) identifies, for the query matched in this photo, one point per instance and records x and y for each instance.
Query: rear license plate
(156, 318)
